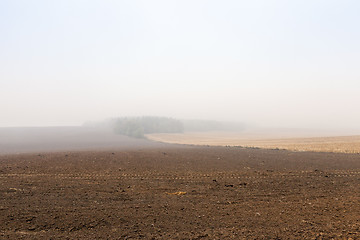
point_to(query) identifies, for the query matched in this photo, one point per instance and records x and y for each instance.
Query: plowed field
(180, 193)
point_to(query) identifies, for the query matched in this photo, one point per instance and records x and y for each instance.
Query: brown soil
(180, 193)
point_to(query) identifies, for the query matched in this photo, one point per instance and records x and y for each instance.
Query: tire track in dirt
(303, 174)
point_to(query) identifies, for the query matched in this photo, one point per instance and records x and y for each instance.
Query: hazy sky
(276, 63)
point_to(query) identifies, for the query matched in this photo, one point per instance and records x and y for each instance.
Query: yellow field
(343, 144)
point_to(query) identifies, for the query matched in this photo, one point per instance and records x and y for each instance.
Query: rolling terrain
(83, 183)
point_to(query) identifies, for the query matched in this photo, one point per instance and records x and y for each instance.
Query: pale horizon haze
(270, 63)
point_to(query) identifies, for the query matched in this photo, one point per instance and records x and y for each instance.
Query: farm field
(56, 139)
(293, 142)
(180, 192)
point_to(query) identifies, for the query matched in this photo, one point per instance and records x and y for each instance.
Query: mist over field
(267, 64)
(179, 119)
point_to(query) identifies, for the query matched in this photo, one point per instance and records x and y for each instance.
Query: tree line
(139, 126)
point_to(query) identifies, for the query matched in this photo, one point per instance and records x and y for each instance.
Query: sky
(272, 63)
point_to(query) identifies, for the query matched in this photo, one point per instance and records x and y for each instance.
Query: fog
(269, 64)
(58, 139)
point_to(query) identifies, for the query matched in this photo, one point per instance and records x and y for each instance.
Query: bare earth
(55, 139)
(293, 142)
(180, 193)
(137, 189)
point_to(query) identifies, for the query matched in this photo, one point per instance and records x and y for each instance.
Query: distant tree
(138, 126)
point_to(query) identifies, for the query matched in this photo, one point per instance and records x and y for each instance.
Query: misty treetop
(138, 126)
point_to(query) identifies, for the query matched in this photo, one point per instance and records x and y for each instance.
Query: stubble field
(338, 144)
